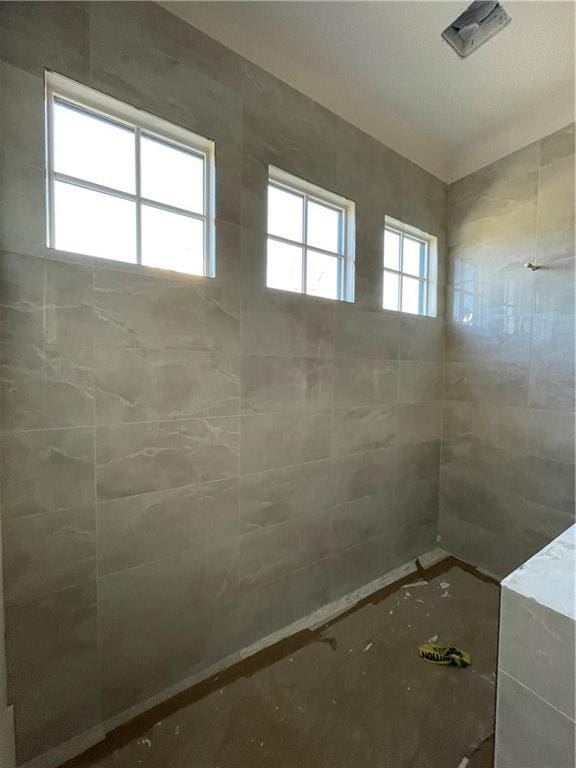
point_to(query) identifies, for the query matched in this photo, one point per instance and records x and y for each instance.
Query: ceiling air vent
(478, 23)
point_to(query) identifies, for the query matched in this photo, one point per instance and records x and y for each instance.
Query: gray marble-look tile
(555, 206)
(47, 552)
(283, 439)
(364, 474)
(552, 386)
(359, 565)
(366, 334)
(499, 335)
(487, 382)
(270, 553)
(357, 520)
(134, 309)
(553, 338)
(416, 517)
(22, 204)
(418, 461)
(36, 36)
(151, 617)
(53, 668)
(364, 428)
(418, 422)
(529, 732)
(421, 338)
(152, 526)
(277, 496)
(549, 671)
(69, 303)
(140, 458)
(21, 298)
(557, 145)
(45, 386)
(22, 117)
(287, 129)
(365, 382)
(272, 384)
(419, 381)
(548, 482)
(286, 325)
(46, 470)
(137, 384)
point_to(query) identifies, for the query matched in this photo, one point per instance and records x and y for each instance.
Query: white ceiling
(383, 66)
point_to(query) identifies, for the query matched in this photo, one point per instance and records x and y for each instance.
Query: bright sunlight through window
(409, 280)
(125, 185)
(310, 239)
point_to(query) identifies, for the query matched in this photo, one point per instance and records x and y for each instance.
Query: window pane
(172, 241)
(412, 295)
(171, 175)
(93, 149)
(322, 275)
(324, 227)
(391, 249)
(285, 214)
(94, 223)
(284, 268)
(413, 257)
(391, 292)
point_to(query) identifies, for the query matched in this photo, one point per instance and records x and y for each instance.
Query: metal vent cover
(479, 22)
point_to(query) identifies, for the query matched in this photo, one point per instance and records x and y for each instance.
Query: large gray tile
(136, 384)
(270, 553)
(152, 526)
(69, 303)
(278, 325)
(46, 470)
(153, 618)
(364, 474)
(272, 384)
(21, 298)
(419, 381)
(134, 309)
(417, 461)
(491, 383)
(364, 382)
(45, 386)
(529, 732)
(421, 338)
(22, 206)
(279, 495)
(53, 668)
(418, 422)
(139, 458)
(537, 647)
(552, 386)
(47, 552)
(361, 519)
(35, 36)
(364, 428)
(283, 439)
(366, 334)
(22, 118)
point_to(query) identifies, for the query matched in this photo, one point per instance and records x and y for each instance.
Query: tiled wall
(189, 465)
(507, 477)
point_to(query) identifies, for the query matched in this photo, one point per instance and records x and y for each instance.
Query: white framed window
(125, 185)
(310, 247)
(409, 281)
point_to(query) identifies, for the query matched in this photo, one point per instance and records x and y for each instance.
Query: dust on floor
(362, 698)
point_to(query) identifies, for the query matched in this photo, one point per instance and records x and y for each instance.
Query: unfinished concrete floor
(354, 695)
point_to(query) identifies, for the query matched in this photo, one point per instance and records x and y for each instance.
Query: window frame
(346, 235)
(101, 106)
(428, 281)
